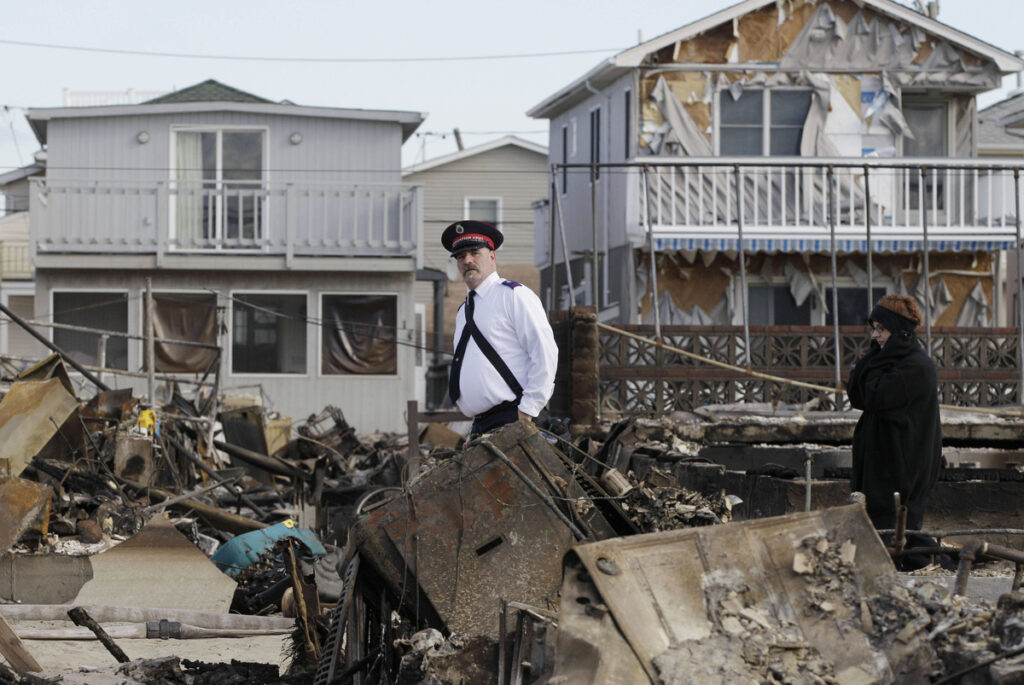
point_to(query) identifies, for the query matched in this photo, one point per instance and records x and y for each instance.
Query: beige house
(495, 182)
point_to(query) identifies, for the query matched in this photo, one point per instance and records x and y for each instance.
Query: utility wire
(325, 60)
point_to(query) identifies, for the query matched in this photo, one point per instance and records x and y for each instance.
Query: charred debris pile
(525, 556)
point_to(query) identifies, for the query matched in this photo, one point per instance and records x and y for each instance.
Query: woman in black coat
(897, 445)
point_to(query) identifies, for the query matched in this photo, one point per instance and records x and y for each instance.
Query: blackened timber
(261, 460)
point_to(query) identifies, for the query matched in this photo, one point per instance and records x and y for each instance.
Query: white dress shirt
(513, 321)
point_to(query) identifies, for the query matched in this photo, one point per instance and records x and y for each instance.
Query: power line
(326, 60)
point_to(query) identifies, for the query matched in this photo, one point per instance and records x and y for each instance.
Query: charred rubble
(517, 557)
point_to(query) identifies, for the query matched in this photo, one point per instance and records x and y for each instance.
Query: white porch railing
(787, 203)
(290, 219)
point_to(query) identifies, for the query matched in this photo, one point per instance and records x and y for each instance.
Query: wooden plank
(14, 651)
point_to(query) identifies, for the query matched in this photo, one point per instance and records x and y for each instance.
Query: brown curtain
(183, 316)
(359, 334)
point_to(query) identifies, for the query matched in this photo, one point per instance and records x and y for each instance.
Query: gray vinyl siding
(369, 402)
(332, 150)
(518, 176)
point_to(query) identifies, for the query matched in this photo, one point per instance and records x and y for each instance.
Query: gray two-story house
(279, 232)
(811, 128)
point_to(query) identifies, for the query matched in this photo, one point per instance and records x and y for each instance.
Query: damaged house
(280, 233)
(811, 128)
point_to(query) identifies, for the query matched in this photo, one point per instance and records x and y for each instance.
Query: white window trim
(233, 294)
(766, 115)
(497, 199)
(399, 325)
(173, 157)
(175, 291)
(128, 316)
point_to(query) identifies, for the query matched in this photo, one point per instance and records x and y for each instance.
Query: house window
(853, 305)
(773, 305)
(359, 335)
(762, 122)
(484, 209)
(218, 178)
(595, 141)
(184, 316)
(268, 333)
(929, 122)
(565, 159)
(626, 117)
(99, 310)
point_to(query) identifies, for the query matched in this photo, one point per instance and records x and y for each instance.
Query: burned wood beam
(80, 617)
(234, 489)
(261, 460)
(224, 520)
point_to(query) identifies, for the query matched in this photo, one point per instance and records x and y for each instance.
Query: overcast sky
(485, 98)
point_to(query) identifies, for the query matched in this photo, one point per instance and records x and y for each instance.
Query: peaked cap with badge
(469, 235)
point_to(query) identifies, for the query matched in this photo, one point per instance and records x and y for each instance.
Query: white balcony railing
(271, 218)
(791, 204)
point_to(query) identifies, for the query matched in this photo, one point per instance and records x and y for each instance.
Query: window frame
(817, 313)
(128, 319)
(264, 130)
(595, 142)
(233, 297)
(627, 110)
(565, 158)
(320, 337)
(497, 199)
(175, 291)
(766, 116)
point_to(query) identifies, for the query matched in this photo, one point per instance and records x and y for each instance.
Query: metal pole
(596, 291)
(830, 207)
(808, 462)
(743, 265)
(1020, 295)
(565, 251)
(650, 249)
(101, 353)
(927, 273)
(150, 346)
(49, 345)
(867, 229)
(552, 281)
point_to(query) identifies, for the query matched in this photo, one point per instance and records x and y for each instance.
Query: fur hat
(897, 313)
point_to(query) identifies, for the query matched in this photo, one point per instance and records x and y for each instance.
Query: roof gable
(476, 150)
(863, 34)
(207, 91)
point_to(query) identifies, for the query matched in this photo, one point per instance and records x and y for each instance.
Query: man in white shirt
(505, 354)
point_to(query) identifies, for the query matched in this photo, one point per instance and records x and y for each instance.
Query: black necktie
(460, 350)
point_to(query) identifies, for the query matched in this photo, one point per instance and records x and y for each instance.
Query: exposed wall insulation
(965, 126)
(694, 288)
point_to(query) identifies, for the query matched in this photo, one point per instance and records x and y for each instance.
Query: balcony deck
(166, 221)
(798, 204)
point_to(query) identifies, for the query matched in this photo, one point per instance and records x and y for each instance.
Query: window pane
(786, 313)
(790, 107)
(747, 110)
(105, 311)
(359, 334)
(928, 122)
(759, 304)
(242, 156)
(853, 305)
(484, 210)
(786, 141)
(269, 334)
(743, 142)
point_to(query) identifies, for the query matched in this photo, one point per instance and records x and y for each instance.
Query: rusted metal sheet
(471, 532)
(23, 504)
(29, 416)
(656, 588)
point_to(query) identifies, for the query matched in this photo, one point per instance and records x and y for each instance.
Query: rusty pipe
(968, 553)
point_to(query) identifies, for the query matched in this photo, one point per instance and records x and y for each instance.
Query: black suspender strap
(471, 330)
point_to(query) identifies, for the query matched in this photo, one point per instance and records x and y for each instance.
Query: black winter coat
(897, 444)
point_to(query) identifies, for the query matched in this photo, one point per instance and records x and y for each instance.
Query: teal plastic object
(244, 550)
